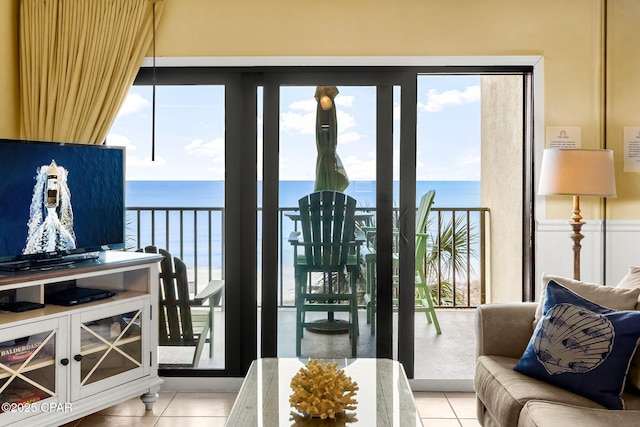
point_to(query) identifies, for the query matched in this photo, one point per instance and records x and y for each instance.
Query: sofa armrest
(504, 329)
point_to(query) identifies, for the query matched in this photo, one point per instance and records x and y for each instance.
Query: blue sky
(190, 131)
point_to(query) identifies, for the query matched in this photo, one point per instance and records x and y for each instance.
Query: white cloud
(345, 101)
(345, 120)
(296, 170)
(214, 149)
(117, 140)
(465, 167)
(361, 168)
(194, 145)
(301, 116)
(302, 123)
(304, 105)
(146, 162)
(347, 137)
(132, 104)
(437, 101)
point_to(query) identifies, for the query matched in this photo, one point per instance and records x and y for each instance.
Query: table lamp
(577, 172)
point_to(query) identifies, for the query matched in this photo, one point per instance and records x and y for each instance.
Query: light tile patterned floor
(211, 409)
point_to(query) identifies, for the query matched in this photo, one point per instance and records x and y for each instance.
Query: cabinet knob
(64, 361)
(77, 357)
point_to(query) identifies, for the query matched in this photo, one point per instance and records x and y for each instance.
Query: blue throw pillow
(582, 347)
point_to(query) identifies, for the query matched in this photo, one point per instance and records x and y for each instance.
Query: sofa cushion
(551, 414)
(504, 391)
(618, 298)
(582, 346)
(632, 281)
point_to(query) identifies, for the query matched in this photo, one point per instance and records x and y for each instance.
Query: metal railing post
(475, 244)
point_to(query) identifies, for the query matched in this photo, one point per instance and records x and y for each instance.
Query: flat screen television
(59, 202)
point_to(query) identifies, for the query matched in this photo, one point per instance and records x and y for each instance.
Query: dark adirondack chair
(177, 325)
(330, 245)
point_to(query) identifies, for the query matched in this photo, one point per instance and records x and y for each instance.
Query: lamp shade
(577, 172)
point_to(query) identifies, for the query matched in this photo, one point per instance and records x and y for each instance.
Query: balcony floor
(448, 356)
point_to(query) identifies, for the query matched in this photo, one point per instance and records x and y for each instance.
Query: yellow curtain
(78, 59)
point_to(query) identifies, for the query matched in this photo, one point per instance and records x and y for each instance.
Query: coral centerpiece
(322, 390)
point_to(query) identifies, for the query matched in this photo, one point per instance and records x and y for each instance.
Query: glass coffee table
(384, 396)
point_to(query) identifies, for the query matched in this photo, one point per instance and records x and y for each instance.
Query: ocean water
(182, 228)
(449, 194)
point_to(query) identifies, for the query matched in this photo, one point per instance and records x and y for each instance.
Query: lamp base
(576, 224)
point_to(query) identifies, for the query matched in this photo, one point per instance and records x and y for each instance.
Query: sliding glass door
(270, 136)
(322, 132)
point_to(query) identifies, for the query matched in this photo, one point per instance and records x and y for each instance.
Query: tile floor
(187, 409)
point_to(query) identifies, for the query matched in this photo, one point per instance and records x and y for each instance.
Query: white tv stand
(67, 362)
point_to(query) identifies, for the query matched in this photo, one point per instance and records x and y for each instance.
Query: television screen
(60, 199)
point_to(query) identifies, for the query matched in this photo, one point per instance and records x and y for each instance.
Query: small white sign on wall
(564, 136)
(632, 149)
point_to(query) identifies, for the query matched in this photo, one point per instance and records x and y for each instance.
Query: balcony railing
(455, 259)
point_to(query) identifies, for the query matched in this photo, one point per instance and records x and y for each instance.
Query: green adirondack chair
(329, 244)
(424, 301)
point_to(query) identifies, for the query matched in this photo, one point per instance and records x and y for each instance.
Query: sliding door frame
(241, 84)
(384, 82)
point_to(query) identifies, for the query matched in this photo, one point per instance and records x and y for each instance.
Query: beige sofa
(508, 398)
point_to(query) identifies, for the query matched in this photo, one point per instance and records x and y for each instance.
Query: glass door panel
(176, 200)
(106, 347)
(27, 368)
(469, 152)
(110, 346)
(204, 112)
(448, 164)
(327, 139)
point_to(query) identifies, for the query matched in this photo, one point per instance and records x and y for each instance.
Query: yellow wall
(9, 101)
(623, 99)
(379, 27)
(568, 33)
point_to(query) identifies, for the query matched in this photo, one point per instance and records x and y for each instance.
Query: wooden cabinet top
(108, 260)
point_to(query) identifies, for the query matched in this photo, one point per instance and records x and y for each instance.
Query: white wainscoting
(623, 248)
(554, 253)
